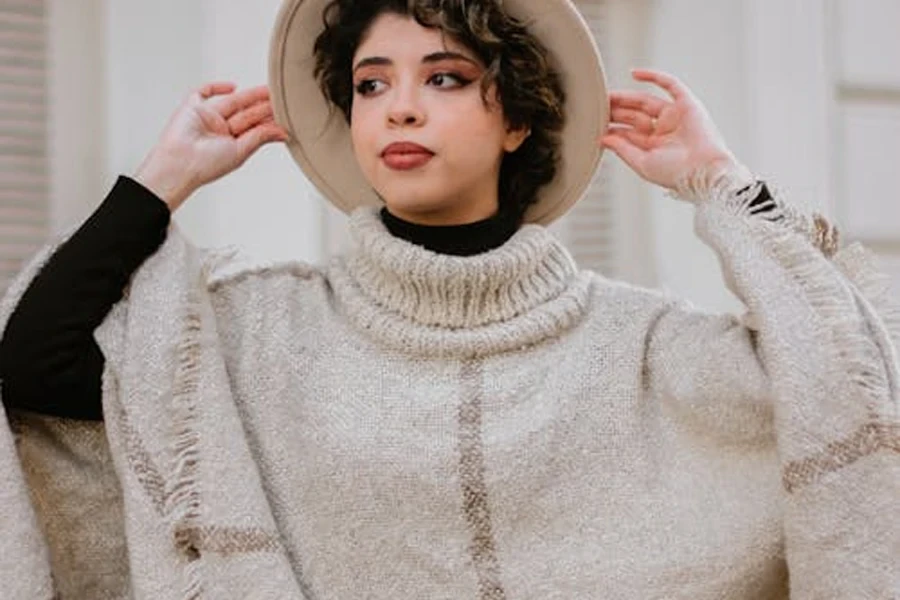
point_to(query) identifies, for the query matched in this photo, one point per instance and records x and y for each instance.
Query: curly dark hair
(529, 88)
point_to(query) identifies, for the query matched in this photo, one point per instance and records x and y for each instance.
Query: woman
(452, 409)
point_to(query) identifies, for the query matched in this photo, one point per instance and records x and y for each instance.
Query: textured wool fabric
(403, 424)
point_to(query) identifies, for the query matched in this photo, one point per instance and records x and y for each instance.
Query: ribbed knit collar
(529, 288)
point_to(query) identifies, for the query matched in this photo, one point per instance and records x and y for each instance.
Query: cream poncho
(407, 425)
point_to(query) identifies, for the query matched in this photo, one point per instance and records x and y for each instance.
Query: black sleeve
(763, 202)
(49, 360)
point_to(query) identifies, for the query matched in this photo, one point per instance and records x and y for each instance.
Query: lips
(405, 148)
(406, 155)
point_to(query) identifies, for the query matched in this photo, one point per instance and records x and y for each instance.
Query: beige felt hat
(322, 146)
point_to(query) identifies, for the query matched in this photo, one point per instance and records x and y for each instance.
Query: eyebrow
(428, 58)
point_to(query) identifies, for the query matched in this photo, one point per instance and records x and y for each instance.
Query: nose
(405, 108)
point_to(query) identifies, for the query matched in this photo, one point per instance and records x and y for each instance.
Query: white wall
(760, 66)
(266, 206)
(701, 42)
(121, 67)
(157, 52)
(77, 109)
(866, 131)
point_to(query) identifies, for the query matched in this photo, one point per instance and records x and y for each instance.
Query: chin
(417, 208)
(415, 204)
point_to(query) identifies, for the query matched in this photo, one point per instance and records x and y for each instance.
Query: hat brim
(320, 137)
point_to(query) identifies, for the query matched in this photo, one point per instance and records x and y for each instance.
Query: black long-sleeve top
(49, 360)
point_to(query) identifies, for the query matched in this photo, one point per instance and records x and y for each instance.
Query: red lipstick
(404, 156)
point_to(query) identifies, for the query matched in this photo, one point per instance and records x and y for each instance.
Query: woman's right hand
(213, 132)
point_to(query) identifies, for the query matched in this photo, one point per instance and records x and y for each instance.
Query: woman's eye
(367, 87)
(442, 80)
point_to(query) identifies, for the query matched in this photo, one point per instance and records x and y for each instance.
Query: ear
(515, 138)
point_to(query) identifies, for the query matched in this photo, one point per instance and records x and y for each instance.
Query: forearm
(49, 361)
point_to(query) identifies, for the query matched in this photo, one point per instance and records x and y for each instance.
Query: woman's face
(414, 86)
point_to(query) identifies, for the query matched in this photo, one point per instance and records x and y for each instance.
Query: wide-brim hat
(320, 137)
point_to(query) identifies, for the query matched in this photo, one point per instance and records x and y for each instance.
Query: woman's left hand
(664, 141)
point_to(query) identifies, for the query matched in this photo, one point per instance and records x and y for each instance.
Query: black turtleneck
(49, 360)
(458, 240)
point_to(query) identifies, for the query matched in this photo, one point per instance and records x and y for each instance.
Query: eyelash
(461, 81)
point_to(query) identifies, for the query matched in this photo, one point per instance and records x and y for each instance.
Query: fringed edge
(861, 336)
(880, 300)
(846, 327)
(183, 499)
(851, 344)
(860, 265)
(712, 184)
(735, 185)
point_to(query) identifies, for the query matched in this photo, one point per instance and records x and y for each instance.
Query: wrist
(718, 176)
(729, 175)
(722, 171)
(165, 178)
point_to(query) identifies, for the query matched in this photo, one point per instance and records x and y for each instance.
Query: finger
(227, 106)
(639, 139)
(250, 117)
(216, 88)
(639, 120)
(253, 139)
(670, 83)
(650, 104)
(624, 149)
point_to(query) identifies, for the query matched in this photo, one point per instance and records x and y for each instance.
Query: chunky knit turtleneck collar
(520, 293)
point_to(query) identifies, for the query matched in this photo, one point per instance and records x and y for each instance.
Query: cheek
(355, 135)
(476, 135)
(360, 135)
(476, 123)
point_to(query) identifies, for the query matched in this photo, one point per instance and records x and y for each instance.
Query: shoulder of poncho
(608, 291)
(613, 298)
(226, 267)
